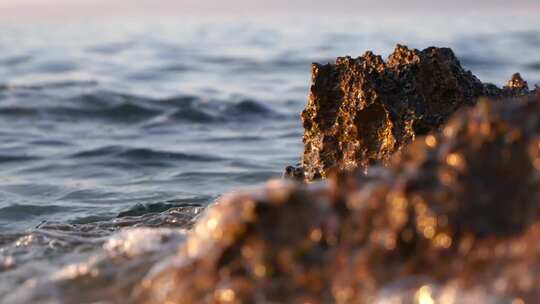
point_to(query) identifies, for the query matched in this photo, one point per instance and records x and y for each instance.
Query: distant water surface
(104, 124)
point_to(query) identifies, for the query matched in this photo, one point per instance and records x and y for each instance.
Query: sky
(20, 9)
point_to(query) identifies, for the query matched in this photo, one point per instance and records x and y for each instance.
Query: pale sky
(14, 9)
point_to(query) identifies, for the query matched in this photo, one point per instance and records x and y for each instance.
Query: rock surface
(454, 218)
(360, 111)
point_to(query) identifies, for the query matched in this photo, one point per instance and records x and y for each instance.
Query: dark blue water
(101, 121)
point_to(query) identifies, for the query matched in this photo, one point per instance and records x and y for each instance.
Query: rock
(516, 86)
(245, 248)
(363, 110)
(360, 111)
(294, 172)
(455, 216)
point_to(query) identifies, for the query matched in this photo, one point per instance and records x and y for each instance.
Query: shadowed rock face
(360, 111)
(455, 217)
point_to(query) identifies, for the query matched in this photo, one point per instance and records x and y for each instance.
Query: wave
(126, 108)
(28, 210)
(148, 208)
(47, 251)
(15, 88)
(16, 158)
(248, 107)
(16, 111)
(143, 154)
(192, 114)
(149, 154)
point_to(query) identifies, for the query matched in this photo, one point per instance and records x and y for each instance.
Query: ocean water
(110, 126)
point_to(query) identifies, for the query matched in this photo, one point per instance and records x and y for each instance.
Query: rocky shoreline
(361, 111)
(454, 217)
(449, 212)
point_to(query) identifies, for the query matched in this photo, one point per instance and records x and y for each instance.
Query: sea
(118, 131)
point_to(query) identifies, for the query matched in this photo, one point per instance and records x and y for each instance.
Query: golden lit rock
(454, 215)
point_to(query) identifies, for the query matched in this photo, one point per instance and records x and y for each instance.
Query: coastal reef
(453, 218)
(362, 110)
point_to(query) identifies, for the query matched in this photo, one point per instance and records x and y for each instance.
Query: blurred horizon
(19, 10)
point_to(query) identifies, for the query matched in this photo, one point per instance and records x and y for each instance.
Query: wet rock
(363, 110)
(517, 83)
(455, 217)
(360, 111)
(294, 172)
(516, 86)
(254, 241)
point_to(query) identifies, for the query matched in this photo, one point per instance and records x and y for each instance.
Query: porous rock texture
(454, 218)
(360, 111)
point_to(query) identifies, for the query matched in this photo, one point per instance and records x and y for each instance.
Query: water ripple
(143, 154)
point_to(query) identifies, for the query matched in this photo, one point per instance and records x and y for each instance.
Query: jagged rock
(453, 217)
(363, 110)
(516, 86)
(516, 82)
(360, 111)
